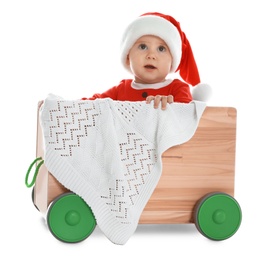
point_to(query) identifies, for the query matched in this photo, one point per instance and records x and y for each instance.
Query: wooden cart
(196, 186)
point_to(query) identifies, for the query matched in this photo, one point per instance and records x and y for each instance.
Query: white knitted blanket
(109, 153)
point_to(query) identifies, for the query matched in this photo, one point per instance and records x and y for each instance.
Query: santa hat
(168, 29)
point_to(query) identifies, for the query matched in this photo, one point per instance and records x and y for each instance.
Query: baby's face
(150, 60)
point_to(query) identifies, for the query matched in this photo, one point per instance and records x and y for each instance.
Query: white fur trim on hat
(152, 25)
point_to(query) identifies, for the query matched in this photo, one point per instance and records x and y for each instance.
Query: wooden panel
(54, 188)
(41, 183)
(204, 164)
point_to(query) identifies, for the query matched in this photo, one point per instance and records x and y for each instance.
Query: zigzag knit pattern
(109, 153)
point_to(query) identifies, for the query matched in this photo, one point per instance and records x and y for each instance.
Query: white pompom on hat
(168, 29)
(201, 92)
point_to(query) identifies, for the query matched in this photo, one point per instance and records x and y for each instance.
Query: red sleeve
(110, 93)
(181, 92)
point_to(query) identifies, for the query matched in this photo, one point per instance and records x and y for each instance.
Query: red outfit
(125, 92)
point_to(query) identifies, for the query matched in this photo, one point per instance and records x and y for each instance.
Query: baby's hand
(158, 98)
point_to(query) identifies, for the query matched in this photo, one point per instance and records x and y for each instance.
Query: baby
(152, 47)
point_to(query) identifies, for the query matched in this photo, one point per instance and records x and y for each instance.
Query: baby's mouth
(149, 66)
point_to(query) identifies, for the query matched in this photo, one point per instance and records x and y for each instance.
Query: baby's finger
(170, 99)
(157, 101)
(149, 99)
(164, 101)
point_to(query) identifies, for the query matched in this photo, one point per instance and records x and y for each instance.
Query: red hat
(168, 29)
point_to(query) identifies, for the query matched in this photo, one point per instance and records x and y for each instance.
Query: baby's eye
(142, 46)
(162, 48)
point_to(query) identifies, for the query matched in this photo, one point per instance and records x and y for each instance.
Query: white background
(71, 48)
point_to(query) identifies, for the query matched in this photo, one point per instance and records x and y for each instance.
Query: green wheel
(70, 219)
(217, 216)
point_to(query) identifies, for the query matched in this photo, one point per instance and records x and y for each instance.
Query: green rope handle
(35, 173)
